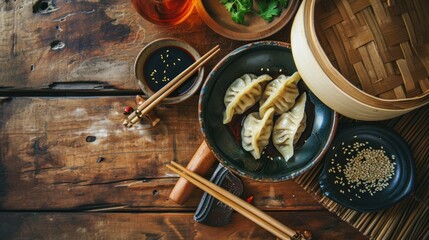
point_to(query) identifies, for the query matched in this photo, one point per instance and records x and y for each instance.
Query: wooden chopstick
(236, 203)
(152, 101)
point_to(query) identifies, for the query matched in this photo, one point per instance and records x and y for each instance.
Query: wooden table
(66, 74)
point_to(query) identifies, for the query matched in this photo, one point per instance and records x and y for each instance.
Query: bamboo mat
(408, 219)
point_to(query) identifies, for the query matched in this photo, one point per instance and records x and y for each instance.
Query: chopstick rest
(151, 117)
(211, 211)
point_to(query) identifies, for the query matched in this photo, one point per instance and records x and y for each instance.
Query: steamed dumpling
(289, 127)
(280, 94)
(301, 129)
(256, 132)
(242, 94)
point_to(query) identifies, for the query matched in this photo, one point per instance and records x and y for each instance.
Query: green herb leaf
(228, 6)
(283, 3)
(244, 6)
(238, 9)
(268, 11)
(238, 17)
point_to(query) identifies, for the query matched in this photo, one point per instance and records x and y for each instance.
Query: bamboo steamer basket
(368, 60)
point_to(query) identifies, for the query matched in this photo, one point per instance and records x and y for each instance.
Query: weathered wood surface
(324, 225)
(101, 40)
(45, 155)
(46, 164)
(49, 173)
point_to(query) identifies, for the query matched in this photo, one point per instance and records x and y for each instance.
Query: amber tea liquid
(164, 12)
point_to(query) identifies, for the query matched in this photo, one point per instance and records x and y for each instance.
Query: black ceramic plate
(399, 186)
(258, 58)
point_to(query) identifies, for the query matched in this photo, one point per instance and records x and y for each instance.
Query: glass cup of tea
(164, 12)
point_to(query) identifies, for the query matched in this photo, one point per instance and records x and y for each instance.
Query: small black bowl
(376, 137)
(259, 58)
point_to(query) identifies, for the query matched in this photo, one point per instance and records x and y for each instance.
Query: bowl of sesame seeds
(368, 168)
(161, 61)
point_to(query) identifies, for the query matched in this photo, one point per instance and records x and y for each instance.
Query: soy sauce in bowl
(164, 64)
(159, 62)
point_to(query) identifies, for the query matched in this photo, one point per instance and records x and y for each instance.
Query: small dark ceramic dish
(261, 57)
(166, 64)
(399, 186)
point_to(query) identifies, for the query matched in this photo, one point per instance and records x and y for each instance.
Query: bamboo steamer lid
(373, 56)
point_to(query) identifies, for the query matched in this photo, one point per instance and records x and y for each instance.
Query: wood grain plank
(47, 164)
(322, 224)
(135, 195)
(101, 40)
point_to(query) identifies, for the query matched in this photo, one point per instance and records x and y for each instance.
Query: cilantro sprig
(267, 9)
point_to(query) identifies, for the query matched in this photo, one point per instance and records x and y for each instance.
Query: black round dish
(258, 58)
(376, 137)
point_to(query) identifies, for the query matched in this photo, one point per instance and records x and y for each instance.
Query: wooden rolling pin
(200, 163)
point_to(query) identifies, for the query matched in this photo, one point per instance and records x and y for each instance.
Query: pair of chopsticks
(152, 101)
(236, 203)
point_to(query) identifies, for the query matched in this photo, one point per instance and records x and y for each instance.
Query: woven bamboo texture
(408, 219)
(380, 46)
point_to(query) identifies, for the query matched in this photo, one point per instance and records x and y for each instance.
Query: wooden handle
(202, 160)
